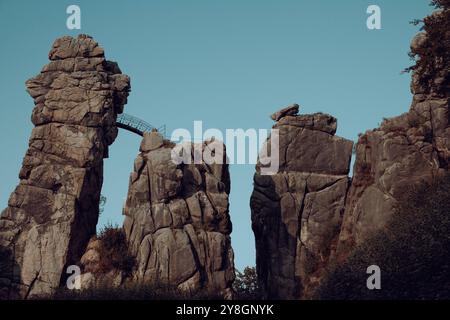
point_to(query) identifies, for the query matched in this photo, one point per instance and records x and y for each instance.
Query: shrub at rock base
(114, 251)
(413, 252)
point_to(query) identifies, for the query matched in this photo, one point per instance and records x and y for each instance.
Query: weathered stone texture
(94, 275)
(54, 210)
(405, 150)
(301, 226)
(297, 213)
(177, 221)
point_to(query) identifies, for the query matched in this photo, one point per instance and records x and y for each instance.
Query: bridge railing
(136, 125)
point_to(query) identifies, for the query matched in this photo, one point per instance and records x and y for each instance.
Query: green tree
(246, 284)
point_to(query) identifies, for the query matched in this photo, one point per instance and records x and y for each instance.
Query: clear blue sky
(230, 63)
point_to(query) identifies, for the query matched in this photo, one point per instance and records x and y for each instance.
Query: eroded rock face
(306, 217)
(291, 110)
(54, 210)
(177, 221)
(297, 213)
(405, 150)
(94, 275)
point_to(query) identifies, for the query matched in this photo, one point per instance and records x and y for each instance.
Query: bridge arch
(138, 126)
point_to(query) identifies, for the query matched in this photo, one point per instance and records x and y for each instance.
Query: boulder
(291, 110)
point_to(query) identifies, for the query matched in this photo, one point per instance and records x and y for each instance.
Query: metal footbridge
(136, 125)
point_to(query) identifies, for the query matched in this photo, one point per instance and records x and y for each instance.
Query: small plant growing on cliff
(114, 251)
(102, 203)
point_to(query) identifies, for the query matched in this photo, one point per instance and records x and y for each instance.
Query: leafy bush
(440, 3)
(432, 58)
(413, 252)
(114, 253)
(246, 285)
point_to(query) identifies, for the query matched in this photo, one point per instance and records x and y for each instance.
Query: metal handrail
(136, 125)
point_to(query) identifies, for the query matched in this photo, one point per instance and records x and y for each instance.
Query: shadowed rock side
(177, 221)
(407, 149)
(54, 210)
(297, 213)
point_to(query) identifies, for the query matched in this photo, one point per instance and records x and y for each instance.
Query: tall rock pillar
(53, 211)
(177, 221)
(297, 213)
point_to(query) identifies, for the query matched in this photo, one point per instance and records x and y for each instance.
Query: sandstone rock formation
(288, 111)
(297, 213)
(54, 210)
(407, 149)
(306, 217)
(98, 272)
(177, 221)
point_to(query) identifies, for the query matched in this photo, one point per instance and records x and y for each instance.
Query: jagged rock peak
(83, 46)
(291, 110)
(318, 121)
